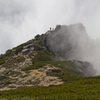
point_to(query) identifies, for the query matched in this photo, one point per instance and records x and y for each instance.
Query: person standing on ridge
(50, 28)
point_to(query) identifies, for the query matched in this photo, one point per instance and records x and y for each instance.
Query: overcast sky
(21, 20)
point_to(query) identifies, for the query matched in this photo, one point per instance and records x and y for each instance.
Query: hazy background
(21, 20)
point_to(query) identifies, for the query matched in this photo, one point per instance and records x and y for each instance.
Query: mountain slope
(42, 62)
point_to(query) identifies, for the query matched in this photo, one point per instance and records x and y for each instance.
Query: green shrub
(41, 56)
(35, 66)
(8, 53)
(2, 61)
(19, 48)
(38, 48)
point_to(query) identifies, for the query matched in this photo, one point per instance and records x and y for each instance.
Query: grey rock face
(25, 51)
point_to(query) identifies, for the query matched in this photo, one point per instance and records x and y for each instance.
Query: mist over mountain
(27, 18)
(73, 43)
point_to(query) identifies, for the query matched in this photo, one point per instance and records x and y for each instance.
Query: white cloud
(21, 20)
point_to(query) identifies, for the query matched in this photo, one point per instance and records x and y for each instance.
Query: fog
(73, 43)
(21, 20)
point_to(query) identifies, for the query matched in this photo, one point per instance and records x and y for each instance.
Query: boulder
(44, 48)
(2, 69)
(27, 46)
(25, 51)
(2, 77)
(8, 72)
(56, 70)
(48, 71)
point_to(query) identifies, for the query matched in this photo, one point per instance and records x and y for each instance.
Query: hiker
(50, 28)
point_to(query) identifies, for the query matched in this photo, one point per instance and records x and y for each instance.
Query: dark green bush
(38, 48)
(35, 66)
(41, 56)
(19, 48)
(2, 61)
(8, 53)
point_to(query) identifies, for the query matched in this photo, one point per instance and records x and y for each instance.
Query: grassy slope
(83, 89)
(10, 53)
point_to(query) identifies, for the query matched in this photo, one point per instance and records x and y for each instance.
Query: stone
(27, 47)
(50, 68)
(48, 71)
(8, 72)
(28, 61)
(32, 48)
(2, 69)
(2, 77)
(25, 51)
(44, 48)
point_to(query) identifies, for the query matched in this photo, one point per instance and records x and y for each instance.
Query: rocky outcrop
(36, 77)
(50, 68)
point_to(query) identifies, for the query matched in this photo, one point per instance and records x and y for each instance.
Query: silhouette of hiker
(50, 28)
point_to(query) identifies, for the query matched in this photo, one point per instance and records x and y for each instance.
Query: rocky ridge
(34, 63)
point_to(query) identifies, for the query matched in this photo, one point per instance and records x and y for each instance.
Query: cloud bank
(21, 20)
(73, 43)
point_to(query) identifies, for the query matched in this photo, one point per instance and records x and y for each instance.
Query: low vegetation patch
(41, 56)
(82, 89)
(19, 48)
(8, 53)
